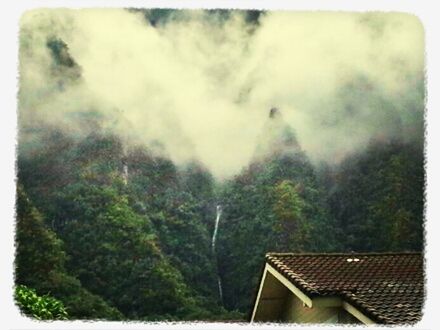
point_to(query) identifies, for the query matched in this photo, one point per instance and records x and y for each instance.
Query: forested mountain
(133, 238)
(376, 197)
(152, 177)
(121, 233)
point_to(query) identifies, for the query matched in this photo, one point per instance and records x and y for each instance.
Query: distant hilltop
(277, 137)
(274, 112)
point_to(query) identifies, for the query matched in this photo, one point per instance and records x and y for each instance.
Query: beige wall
(271, 300)
(295, 311)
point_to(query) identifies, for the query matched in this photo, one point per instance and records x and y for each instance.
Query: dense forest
(125, 234)
(107, 229)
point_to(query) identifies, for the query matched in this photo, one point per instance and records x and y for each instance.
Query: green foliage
(115, 254)
(377, 198)
(40, 263)
(180, 207)
(137, 245)
(80, 302)
(112, 249)
(291, 227)
(41, 308)
(278, 204)
(39, 251)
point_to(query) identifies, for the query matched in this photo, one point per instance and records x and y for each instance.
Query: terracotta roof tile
(386, 287)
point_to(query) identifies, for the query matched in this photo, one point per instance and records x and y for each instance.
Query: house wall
(271, 302)
(294, 310)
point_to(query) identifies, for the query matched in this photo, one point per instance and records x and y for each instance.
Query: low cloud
(201, 83)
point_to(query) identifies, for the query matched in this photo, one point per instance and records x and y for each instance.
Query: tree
(291, 227)
(39, 251)
(273, 205)
(40, 264)
(377, 198)
(115, 253)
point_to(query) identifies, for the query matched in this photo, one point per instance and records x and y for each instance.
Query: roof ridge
(280, 254)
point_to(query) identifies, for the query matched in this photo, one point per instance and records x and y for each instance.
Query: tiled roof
(386, 287)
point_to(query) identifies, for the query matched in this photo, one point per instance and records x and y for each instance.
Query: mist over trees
(120, 244)
(115, 217)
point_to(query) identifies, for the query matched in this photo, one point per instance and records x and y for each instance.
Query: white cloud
(204, 89)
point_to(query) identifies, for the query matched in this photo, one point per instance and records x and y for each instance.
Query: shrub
(40, 307)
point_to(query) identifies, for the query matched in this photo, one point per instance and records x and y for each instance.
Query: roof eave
(312, 299)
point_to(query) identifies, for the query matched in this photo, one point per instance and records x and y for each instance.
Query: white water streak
(217, 221)
(220, 289)
(214, 238)
(125, 173)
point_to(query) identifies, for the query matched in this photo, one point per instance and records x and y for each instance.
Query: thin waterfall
(214, 238)
(220, 289)
(125, 173)
(217, 221)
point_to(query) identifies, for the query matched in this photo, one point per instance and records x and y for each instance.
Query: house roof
(386, 287)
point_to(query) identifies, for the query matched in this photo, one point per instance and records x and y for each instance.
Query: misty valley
(138, 199)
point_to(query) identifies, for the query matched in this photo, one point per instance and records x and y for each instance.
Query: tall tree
(291, 227)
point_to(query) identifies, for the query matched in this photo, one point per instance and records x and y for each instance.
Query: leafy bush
(40, 307)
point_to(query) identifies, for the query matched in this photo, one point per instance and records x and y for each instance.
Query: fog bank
(199, 85)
